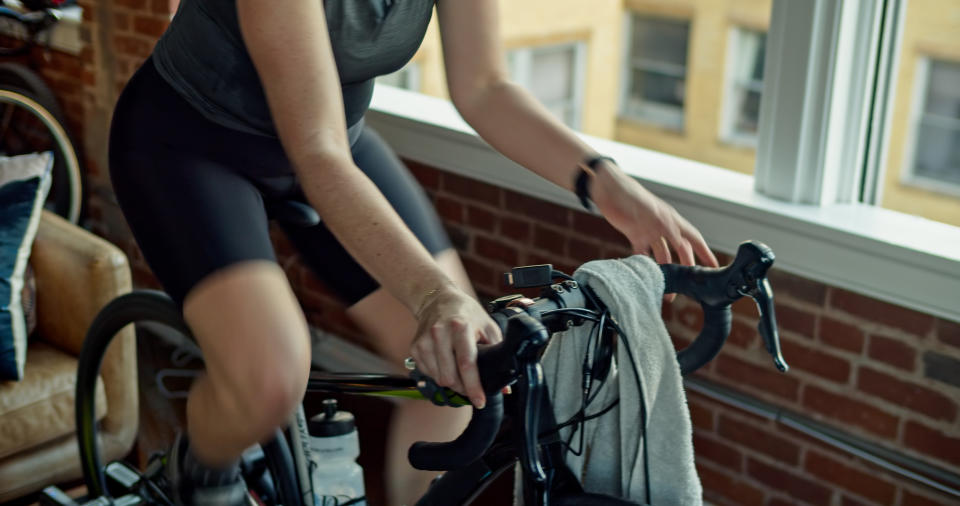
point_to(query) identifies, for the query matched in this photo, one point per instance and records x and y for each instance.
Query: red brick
(793, 485)
(759, 440)
(428, 177)
(666, 313)
(776, 501)
(491, 249)
(893, 352)
(909, 395)
(131, 4)
(162, 7)
(549, 240)
(700, 416)
(948, 332)
(595, 226)
(481, 219)
(794, 319)
(850, 411)
(747, 307)
(518, 230)
(539, 210)
(132, 46)
(480, 273)
(716, 451)
(121, 21)
(740, 492)
(815, 361)
(881, 312)
(846, 500)
(932, 442)
(471, 189)
(691, 317)
(840, 335)
(797, 287)
(912, 499)
(763, 378)
(149, 26)
(850, 478)
(581, 250)
(450, 210)
(743, 335)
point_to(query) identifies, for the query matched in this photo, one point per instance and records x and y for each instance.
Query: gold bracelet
(426, 301)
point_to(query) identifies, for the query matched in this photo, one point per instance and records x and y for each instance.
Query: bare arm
(512, 121)
(290, 48)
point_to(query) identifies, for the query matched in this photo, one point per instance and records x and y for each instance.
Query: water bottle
(337, 478)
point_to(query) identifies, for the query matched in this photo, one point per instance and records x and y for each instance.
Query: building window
(554, 75)
(657, 70)
(407, 78)
(936, 152)
(744, 86)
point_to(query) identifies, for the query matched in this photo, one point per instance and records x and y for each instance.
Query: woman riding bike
(247, 102)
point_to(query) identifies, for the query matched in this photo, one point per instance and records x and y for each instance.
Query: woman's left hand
(650, 224)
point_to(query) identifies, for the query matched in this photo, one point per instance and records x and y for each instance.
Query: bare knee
(266, 389)
(255, 343)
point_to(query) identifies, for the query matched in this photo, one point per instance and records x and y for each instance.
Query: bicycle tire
(20, 76)
(141, 306)
(66, 191)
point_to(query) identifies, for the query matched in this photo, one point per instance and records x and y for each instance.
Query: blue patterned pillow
(24, 183)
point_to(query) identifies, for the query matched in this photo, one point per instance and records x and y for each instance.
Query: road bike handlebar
(527, 325)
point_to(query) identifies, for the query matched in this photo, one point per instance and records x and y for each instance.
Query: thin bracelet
(581, 185)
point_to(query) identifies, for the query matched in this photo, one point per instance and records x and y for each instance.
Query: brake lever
(754, 284)
(762, 294)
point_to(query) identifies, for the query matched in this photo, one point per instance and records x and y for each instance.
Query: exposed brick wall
(883, 372)
(880, 371)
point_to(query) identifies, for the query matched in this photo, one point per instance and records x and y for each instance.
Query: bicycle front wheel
(139, 307)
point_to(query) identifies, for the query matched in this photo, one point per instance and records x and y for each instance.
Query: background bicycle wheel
(21, 131)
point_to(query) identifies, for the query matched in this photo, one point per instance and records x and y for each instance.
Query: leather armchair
(77, 273)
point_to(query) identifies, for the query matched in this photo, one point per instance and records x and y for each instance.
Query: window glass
(746, 86)
(552, 73)
(921, 172)
(658, 68)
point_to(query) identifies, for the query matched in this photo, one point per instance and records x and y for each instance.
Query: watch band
(581, 185)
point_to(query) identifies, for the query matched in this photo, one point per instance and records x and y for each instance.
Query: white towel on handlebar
(612, 460)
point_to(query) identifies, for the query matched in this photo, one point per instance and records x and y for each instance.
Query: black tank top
(202, 55)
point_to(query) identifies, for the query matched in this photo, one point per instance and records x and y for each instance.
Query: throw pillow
(24, 184)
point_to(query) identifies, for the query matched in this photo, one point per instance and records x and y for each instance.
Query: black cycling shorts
(193, 192)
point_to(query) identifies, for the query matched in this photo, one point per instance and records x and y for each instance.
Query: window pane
(655, 87)
(748, 112)
(551, 76)
(660, 40)
(550, 73)
(658, 61)
(745, 86)
(938, 152)
(922, 165)
(943, 90)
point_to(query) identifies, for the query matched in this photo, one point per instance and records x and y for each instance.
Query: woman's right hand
(450, 323)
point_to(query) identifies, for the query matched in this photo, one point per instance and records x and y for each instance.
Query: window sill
(895, 257)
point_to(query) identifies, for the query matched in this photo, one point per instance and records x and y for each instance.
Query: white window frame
(523, 63)
(649, 112)
(918, 103)
(728, 131)
(881, 253)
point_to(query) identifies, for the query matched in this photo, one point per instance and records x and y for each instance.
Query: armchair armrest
(77, 274)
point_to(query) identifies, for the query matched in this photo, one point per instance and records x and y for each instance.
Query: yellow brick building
(684, 77)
